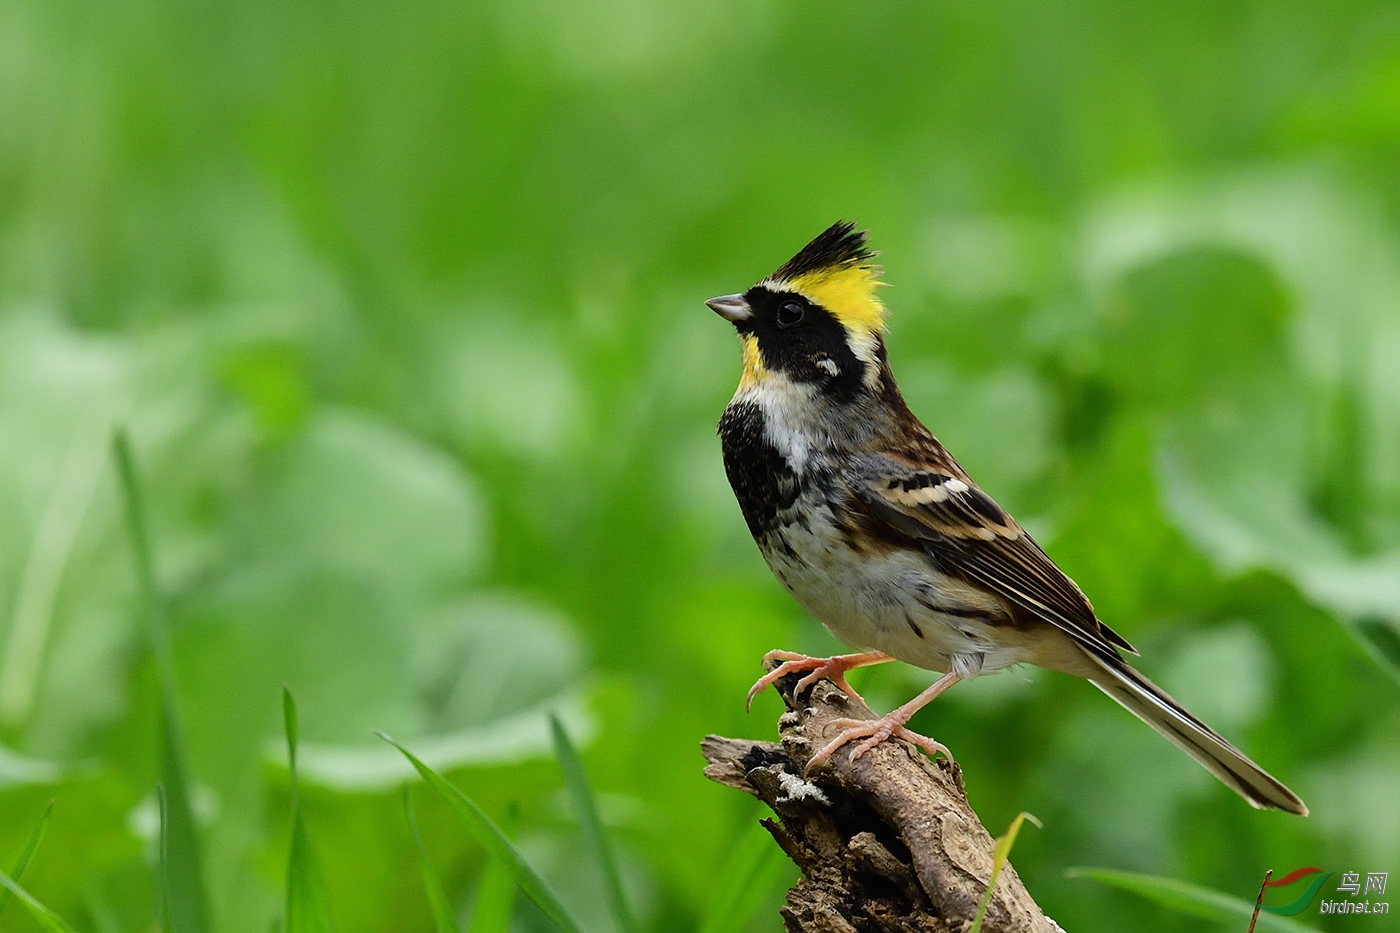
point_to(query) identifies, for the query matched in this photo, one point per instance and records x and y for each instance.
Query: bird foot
(833, 668)
(875, 731)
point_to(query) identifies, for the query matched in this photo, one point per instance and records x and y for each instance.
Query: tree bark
(886, 844)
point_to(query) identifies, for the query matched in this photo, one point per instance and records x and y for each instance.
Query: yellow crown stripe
(848, 292)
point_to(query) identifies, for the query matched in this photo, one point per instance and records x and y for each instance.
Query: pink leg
(834, 668)
(875, 731)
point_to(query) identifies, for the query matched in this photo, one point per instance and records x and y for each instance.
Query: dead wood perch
(886, 844)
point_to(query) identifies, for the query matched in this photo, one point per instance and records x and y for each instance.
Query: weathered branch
(886, 844)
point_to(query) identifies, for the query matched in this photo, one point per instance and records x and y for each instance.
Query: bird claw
(874, 732)
(833, 668)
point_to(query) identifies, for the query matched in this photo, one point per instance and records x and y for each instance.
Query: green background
(402, 306)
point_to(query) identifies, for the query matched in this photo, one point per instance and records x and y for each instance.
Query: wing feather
(974, 538)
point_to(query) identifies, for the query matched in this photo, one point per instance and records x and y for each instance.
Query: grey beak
(732, 308)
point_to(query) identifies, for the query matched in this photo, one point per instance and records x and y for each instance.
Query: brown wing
(973, 538)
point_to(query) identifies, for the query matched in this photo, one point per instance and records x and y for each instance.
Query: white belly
(886, 600)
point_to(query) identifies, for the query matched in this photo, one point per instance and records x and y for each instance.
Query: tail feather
(1152, 705)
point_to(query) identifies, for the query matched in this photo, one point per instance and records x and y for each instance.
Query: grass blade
(36, 835)
(182, 876)
(185, 901)
(586, 806)
(443, 921)
(494, 904)
(46, 918)
(754, 868)
(1187, 898)
(495, 842)
(30, 845)
(1380, 642)
(1000, 853)
(163, 858)
(308, 906)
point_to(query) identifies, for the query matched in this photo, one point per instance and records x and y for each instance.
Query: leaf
(45, 917)
(36, 835)
(185, 903)
(1188, 898)
(1381, 643)
(495, 842)
(308, 906)
(587, 809)
(510, 739)
(20, 771)
(361, 496)
(443, 921)
(1234, 518)
(487, 672)
(753, 869)
(1000, 853)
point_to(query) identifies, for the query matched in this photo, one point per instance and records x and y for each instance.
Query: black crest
(841, 244)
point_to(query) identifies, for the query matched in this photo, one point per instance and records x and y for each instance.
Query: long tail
(1152, 705)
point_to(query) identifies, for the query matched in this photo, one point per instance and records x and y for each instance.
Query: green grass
(308, 904)
(443, 919)
(494, 841)
(586, 809)
(1000, 853)
(42, 915)
(494, 904)
(183, 899)
(36, 836)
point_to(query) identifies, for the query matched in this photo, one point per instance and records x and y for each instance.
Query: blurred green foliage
(402, 308)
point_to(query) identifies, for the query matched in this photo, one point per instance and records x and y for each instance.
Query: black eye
(790, 313)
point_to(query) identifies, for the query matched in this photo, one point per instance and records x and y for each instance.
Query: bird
(875, 529)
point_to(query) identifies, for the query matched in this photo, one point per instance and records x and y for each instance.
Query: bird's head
(816, 319)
